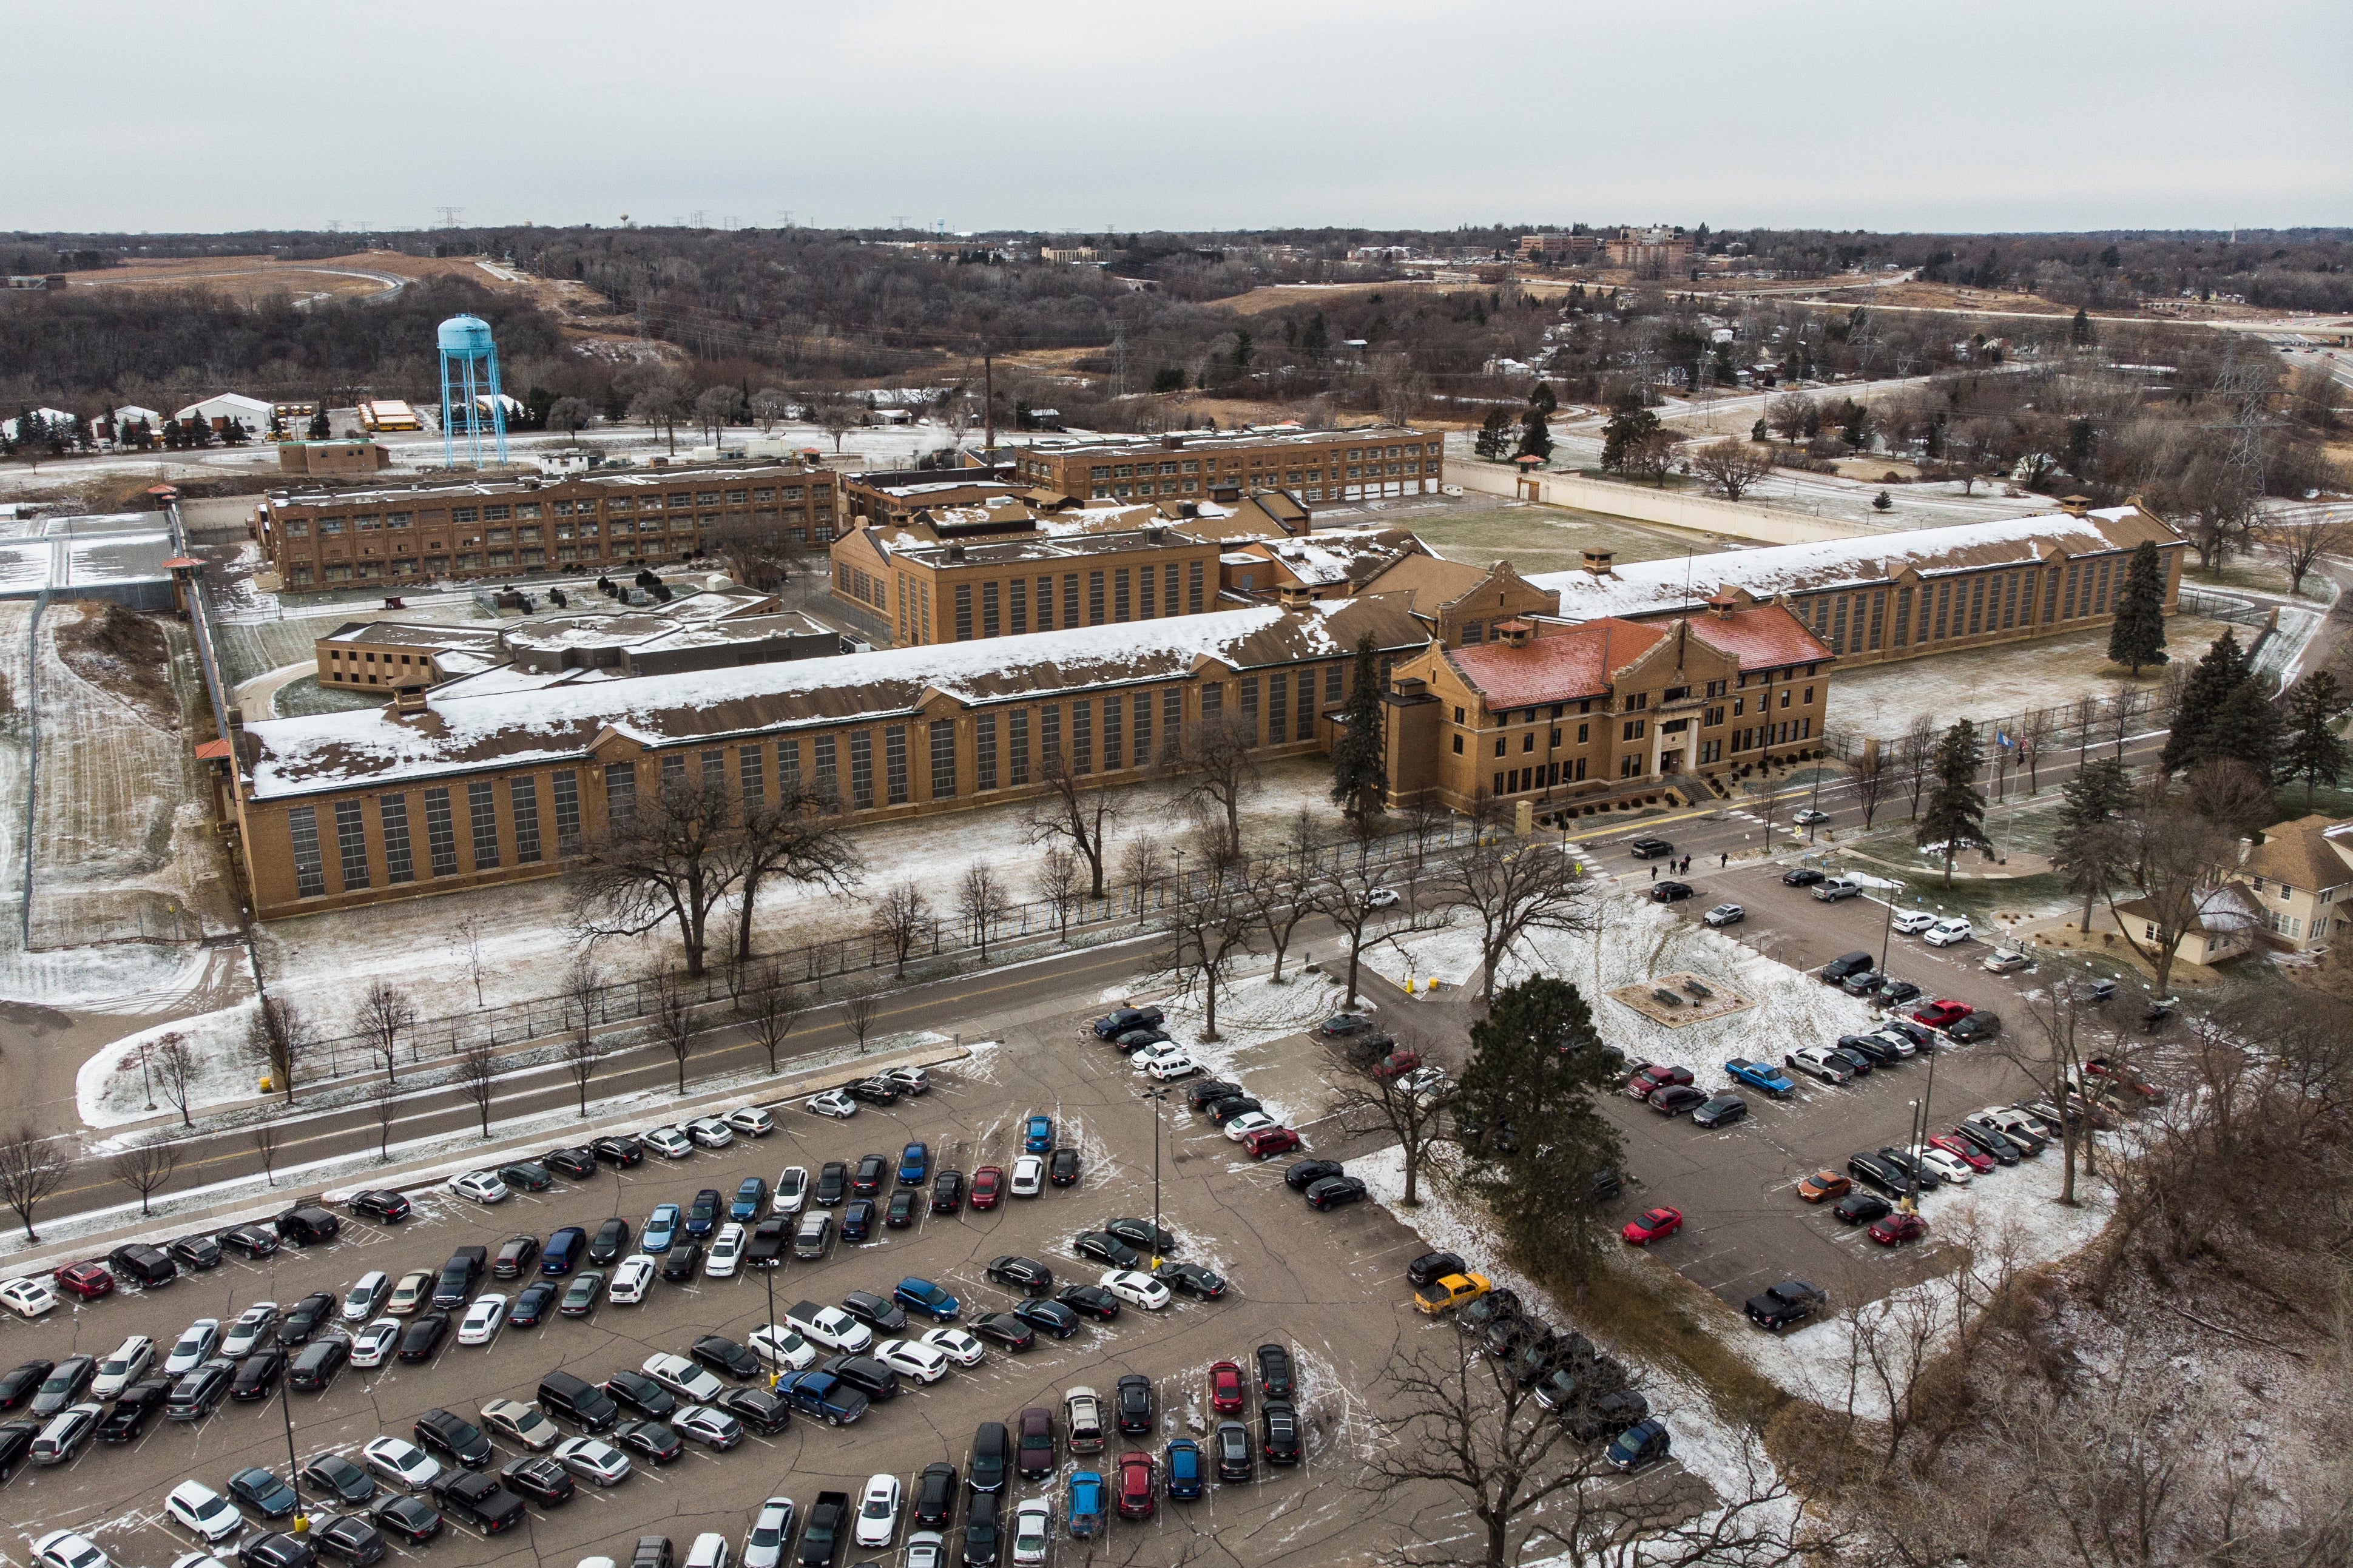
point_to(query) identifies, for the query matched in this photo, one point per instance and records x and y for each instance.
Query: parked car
(1669, 892)
(1674, 1099)
(1721, 1111)
(1761, 1076)
(1725, 915)
(1652, 1225)
(1946, 933)
(1831, 889)
(1910, 921)
(1820, 1063)
(1781, 1306)
(1895, 1229)
(1980, 1024)
(1835, 972)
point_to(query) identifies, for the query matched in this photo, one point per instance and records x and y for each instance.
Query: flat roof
(644, 478)
(1222, 440)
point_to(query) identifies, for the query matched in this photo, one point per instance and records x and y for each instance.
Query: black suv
(1207, 1090)
(379, 1205)
(316, 1367)
(611, 1240)
(458, 1276)
(1835, 972)
(992, 1451)
(1018, 1273)
(452, 1437)
(1232, 1442)
(516, 1256)
(641, 1393)
(257, 1375)
(1872, 1171)
(936, 1495)
(143, 1264)
(578, 1163)
(309, 1225)
(1278, 1423)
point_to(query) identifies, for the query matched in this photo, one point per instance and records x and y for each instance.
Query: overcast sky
(1896, 114)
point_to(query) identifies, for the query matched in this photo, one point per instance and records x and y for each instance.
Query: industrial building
(1316, 466)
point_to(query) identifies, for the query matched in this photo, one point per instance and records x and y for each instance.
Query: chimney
(1171, 443)
(955, 552)
(2074, 506)
(408, 699)
(1597, 562)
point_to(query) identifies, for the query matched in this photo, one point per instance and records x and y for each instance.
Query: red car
(87, 1281)
(1960, 1148)
(1397, 1064)
(1942, 1013)
(988, 1185)
(1269, 1141)
(1652, 1225)
(1135, 1485)
(1899, 1227)
(1653, 1076)
(1225, 1388)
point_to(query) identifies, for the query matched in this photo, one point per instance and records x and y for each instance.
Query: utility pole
(988, 404)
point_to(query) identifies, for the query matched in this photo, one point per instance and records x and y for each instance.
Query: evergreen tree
(1536, 435)
(1954, 817)
(2090, 851)
(1317, 337)
(1494, 436)
(1629, 425)
(1541, 400)
(1856, 431)
(1538, 1066)
(2315, 752)
(2209, 686)
(2247, 730)
(320, 429)
(2138, 637)
(1359, 771)
(2080, 332)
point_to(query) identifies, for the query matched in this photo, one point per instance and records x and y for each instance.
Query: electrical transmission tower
(449, 216)
(2246, 386)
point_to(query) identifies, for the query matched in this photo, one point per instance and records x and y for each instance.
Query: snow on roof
(501, 719)
(1649, 586)
(1568, 664)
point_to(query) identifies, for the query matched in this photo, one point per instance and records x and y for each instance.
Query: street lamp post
(1887, 927)
(1157, 1096)
(293, 1466)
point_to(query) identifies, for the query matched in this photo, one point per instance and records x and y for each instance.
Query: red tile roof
(1763, 636)
(1568, 663)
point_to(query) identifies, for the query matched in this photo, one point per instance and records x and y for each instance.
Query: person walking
(1654, 873)
(1724, 859)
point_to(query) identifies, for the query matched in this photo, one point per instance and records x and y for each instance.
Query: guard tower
(470, 381)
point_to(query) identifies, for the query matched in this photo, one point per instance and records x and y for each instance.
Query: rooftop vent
(1596, 562)
(2074, 506)
(1513, 633)
(1294, 596)
(1722, 605)
(408, 699)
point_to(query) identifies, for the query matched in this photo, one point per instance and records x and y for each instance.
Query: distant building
(1654, 252)
(388, 414)
(218, 410)
(1317, 466)
(2298, 876)
(1557, 247)
(323, 458)
(1069, 256)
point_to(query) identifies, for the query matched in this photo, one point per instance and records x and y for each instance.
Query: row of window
(1122, 594)
(530, 511)
(1970, 606)
(394, 862)
(1235, 463)
(303, 574)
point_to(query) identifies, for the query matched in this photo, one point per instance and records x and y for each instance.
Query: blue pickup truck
(1760, 1075)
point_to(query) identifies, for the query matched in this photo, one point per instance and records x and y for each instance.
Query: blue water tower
(469, 379)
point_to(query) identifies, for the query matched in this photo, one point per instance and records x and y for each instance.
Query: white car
(1808, 816)
(834, 1102)
(877, 1512)
(197, 1560)
(709, 1550)
(1382, 899)
(1028, 1176)
(521, 1424)
(1423, 1080)
(781, 1348)
(64, 1549)
(482, 1186)
(1136, 1288)
(956, 1344)
(250, 1331)
(691, 1383)
(1898, 1041)
(710, 1132)
(600, 1462)
(1248, 1122)
(772, 1528)
(122, 1366)
(925, 1548)
(918, 1361)
(792, 1190)
(751, 1121)
(27, 1298)
(1033, 1528)
(483, 1319)
(1159, 1050)
(632, 1276)
(1948, 1165)
(829, 1326)
(910, 1081)
(401, 1462)
(201, 1340)
(1911, 920)
(366, 1298)
(202, 1512)
(714, 1429)
(727, 1251)
(373, 1345)
(1946, 933)
(1168, 1070)
(670, 1142)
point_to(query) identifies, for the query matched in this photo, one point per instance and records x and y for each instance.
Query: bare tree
(145, 1165)
(386, 1103)
(2084, 713)
(1281, 890)
(1217, 760)
(478, 1077)
(715, 407)
(772, 1007)
(1731, 466)
(1348, 894)
(1373, 1101)
(2125, 704)
(769, 405)
(2036, 729)
(859, 1012)
(2299, 546)
(1207, 924)
(1915, 749)
(384, 1014)
(836, 418)
(279, 1037)
(582, 992)
(1072, 816)
(1893, 1342)
(666, 859)
(1511, 888)
(900, 918)
(662, 404)
(31, 1168)
(798, 839)
(673, 1018)
(1141, 868)
(465, 943)
(174, 1063)
(2179, 857)
(1058, 879)
(1871, 776)
(982, 901)
(266, 1135)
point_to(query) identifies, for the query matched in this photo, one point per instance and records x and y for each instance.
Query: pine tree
(1954, 817)
(1494, 436)
(1541, 400)
(1536, 435)
(320, 429)
(2315, 752)
(2138, 637)
(2090, 851)
(2247, 730)
(1629, 424)
(2209, 686)
(1359, 773)
(2080, 332)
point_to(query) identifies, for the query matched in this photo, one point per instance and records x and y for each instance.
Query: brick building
(578, 524)
(1557, 713)
(1313, 465)
(499, 777)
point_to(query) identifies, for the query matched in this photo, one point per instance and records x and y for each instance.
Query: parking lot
(1330, 1287)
